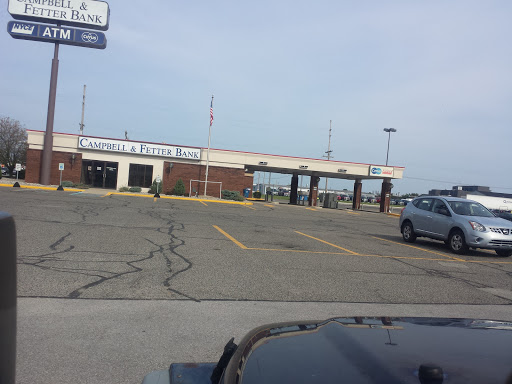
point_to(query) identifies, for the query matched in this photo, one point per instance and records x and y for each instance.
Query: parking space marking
(350, 253)
(154, 199)
(202, 202)
(230, 237)
(269, 205)
(312, 209)
(421, 249)
(325, 242)
(250, 207)
(352, 213)
(300, 251)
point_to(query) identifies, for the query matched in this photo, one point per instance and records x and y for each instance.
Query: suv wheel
(408, 232)
(457, 242)
(504, 252)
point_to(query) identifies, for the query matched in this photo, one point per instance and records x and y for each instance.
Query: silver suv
(460, 223)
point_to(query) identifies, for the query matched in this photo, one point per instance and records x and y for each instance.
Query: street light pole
(388, 130)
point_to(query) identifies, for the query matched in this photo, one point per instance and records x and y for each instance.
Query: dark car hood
(374, 350)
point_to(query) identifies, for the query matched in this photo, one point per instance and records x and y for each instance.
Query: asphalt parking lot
(147, 268)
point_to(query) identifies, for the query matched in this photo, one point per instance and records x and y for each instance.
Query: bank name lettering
(71, 11)
(139, 148)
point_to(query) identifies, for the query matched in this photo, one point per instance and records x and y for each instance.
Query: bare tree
(13, 143)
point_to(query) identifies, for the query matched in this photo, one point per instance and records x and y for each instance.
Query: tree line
(13, 143)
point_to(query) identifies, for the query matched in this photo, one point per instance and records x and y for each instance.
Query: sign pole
(48, 138)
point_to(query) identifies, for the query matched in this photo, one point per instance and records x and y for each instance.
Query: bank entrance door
(99, 174)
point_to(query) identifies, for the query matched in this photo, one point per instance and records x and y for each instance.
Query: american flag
(211, 113)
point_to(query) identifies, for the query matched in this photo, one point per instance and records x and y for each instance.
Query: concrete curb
(179, 198)
(131, 194)
(45, 188)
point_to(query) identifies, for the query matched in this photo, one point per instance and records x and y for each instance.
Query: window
(469, 209)
(424, 204)
(438, 204)
(140, 175)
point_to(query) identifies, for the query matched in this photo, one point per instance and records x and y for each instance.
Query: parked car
(5, 171)
(460, 223)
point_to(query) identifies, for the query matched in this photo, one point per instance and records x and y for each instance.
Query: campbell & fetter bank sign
(139, 148)
(82, 13)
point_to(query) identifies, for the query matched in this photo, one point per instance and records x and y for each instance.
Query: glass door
(99, 174)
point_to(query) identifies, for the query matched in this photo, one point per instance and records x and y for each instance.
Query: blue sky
(437, 71)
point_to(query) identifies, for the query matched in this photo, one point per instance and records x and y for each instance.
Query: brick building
(113, 163)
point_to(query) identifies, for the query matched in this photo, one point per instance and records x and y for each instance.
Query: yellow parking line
(353, 213)
(325, 242)
(251, 207)
(202, 202)
(350, 253)
(230, 237)
(312, 209)
(269, 205)
(421, 249)
(302, 251)
(182, 198)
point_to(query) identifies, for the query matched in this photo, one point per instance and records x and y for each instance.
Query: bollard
(7, 299)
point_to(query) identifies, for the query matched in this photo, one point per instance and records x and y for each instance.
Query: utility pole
(269, 186)
(83, 109)
(329, 151)
(208, 153)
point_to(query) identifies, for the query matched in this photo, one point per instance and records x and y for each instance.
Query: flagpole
(208, 153)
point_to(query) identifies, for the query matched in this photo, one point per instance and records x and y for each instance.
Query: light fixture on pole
(388, 130)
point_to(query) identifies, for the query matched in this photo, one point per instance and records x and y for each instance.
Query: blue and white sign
(79, 13)
(138, 148)
(56, 34)
(379, 171)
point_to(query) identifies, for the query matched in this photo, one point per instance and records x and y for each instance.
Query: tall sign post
(81, 13)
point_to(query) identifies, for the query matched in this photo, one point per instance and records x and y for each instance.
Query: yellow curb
(394, 214)
(45, 188)
(254, 199)
(179, 198)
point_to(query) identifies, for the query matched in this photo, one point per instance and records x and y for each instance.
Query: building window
(140, 175)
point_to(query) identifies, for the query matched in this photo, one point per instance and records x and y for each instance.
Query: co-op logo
(376, 171)
(89, 37)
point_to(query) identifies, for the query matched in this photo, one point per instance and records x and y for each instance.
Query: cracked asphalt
(80, 246)
(79, 250)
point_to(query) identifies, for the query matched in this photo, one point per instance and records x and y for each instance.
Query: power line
(449, 182)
